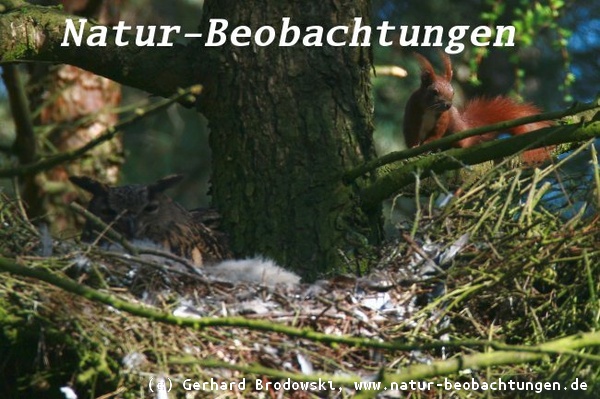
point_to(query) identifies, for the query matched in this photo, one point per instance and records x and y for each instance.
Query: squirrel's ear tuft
(447, 66)
(427, 71)
(88, 184)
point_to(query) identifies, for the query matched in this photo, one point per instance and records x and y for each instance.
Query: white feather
(252, 270)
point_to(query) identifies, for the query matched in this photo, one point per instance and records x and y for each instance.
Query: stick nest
(513, 259)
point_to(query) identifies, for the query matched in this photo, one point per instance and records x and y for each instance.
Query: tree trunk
(286, 122)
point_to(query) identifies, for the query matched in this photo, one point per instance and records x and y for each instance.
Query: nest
(505, 266)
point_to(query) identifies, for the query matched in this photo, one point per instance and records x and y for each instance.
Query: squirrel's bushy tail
(486, 111)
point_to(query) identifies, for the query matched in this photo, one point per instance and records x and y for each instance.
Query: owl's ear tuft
(90, 185)
(164, 184)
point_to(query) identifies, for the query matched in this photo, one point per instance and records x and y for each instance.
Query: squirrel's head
(437, 89)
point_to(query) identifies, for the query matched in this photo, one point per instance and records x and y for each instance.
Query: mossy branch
(258, 369)
(11, 266)
(567, 345)
(389, 183)
(446, 141)
(67, 156)
(504, 355)
(34, 33)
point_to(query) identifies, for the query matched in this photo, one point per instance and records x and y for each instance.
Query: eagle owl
(144, 212)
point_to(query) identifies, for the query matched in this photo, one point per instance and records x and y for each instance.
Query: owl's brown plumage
(144, 212)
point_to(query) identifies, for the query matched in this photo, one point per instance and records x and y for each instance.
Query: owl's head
(128, 209)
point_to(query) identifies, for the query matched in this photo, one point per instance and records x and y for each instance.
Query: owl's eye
(151, 207)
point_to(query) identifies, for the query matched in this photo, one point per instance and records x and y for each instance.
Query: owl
(145, 212)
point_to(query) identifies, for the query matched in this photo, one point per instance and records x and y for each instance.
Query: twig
(21, 208)
(25, 143)
(196, 275)
(109, 232)
(10, 266)
(445, 141)
(50, 162)
(389, 70)
(503, 355)
(105, 229)
(386, 185)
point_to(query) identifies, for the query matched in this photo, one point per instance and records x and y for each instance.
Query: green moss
(94, 365)
(8, 320)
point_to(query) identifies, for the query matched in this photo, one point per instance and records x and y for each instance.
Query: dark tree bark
(286, 122)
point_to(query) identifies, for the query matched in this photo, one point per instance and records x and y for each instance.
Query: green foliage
(532, 18)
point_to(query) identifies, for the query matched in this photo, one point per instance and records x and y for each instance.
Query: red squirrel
(430, 115)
